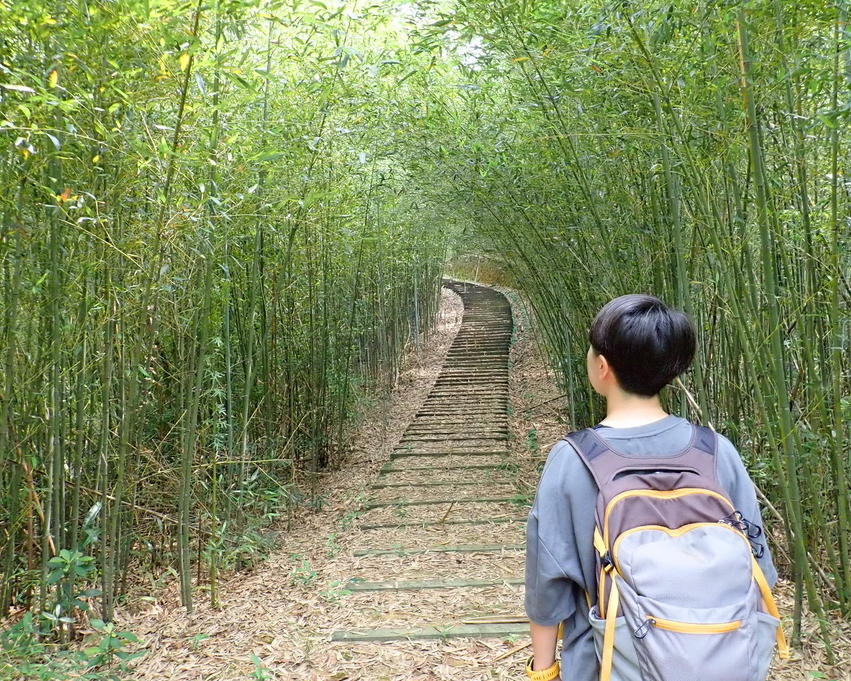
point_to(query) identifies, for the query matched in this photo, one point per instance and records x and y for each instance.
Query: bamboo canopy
(224, 224)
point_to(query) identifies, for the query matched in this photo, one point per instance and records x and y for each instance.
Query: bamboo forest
(227, 226)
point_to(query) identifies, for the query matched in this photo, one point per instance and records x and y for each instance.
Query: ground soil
(276, 623)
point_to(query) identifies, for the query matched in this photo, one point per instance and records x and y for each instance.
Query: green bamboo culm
(186, 331)
(838, 237)
(223, 225)
(710, 139)
(767, 230)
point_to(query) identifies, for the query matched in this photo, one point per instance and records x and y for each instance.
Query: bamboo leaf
(17, 88)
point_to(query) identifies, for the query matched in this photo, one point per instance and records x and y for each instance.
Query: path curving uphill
(442, 537)
(413, 573)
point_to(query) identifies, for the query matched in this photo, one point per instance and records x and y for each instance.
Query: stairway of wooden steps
(443, 533)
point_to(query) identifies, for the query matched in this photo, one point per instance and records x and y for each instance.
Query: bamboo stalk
(776, 357)
(837, 450)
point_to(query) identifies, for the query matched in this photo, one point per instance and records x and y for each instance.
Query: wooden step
(473, 548)
(430, 633)
(357, 585)
(433, 502)
(385, 526)
(475, 483)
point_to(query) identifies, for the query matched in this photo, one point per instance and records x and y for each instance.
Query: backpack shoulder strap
(705, 439)
(706, 442)
(605, 464)
(589, 446)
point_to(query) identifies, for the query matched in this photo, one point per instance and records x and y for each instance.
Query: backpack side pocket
(766, 637)
(625, 660)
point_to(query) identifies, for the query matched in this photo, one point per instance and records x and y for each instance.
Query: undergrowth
(27, 653)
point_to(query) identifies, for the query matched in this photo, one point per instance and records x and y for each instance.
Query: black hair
(646, 343)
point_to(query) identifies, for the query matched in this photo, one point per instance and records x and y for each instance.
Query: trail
(422, 576)
(442, 542)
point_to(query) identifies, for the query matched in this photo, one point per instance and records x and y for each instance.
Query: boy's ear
(603, 366)
(600, 372)
(605, 372)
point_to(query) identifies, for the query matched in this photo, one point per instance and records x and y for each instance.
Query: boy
(638, 345)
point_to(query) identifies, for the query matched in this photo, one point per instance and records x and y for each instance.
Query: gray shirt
(560, 559)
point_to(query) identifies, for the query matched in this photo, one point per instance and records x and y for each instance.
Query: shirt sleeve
(734, 477)
(560, 517)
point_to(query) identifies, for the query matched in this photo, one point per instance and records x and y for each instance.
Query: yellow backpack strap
(600, 545)
(759, 576)
(609, 635)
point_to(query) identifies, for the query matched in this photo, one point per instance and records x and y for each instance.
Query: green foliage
(25, 654)
(111, 646)
(210, 253)
(260, 673)
(65, 569)
(696, 151)
(532, 441)
(332, 548)
(303, 574)
(526, 498)
(198, 639)
(508, 466)
(348, 520)
(335, 592)
(245, 550)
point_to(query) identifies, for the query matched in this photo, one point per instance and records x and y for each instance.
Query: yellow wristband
(546, 674)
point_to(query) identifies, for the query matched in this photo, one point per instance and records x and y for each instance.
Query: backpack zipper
(693, 627)
(658, 494)
(671, 533)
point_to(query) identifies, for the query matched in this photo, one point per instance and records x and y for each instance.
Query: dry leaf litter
(285, 612)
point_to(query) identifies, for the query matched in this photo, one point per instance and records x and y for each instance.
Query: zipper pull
(644, 629)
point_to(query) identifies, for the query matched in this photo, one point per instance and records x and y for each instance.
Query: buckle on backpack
(752, 531)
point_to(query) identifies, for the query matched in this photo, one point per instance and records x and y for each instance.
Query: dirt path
(379, 584)
(402, 577)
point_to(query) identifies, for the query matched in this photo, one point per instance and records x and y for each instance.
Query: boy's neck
(624, 410)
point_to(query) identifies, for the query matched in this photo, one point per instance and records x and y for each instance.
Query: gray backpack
(680, 596)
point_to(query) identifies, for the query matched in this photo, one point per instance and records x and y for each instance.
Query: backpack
(680, 594)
